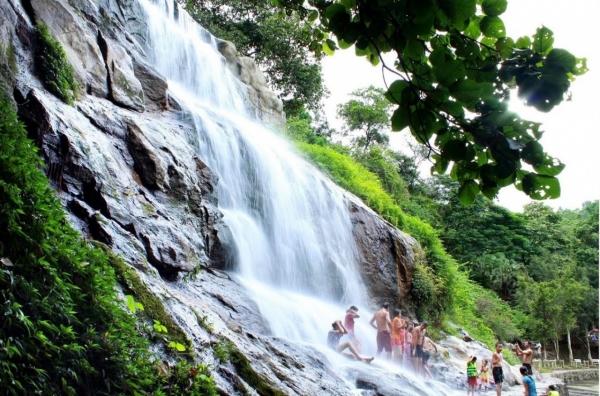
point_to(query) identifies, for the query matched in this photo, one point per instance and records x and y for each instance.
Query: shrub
(63, 329)
(55, 70)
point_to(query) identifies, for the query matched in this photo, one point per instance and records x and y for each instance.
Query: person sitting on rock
(333, 341)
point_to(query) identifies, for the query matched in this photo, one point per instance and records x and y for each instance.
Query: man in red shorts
(383, 326)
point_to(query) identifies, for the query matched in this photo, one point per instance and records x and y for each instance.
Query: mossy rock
(56, 72)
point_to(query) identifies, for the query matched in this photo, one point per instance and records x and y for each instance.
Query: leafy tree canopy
(278, 41)
(456, 70)
(368, 113)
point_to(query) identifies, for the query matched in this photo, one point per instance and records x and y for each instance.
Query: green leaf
(313, 15)
(130, 301)
(468, 192)
(523, 43)
(394, 92)
(450, 72)
(454, 109)
(473, 31)
(561, 58)
(543, 39)
(335, 8)
(505, 46)
(455, 150)
(458, 10)
(550, 166)
(349, 4)
(414, 49)
(492, 26)
(465, 91)
(533, 153)
(400, 119)
(541, 186)
(493, 7)
(329, 47)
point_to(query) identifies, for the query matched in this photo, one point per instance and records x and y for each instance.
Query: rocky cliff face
(124, 165)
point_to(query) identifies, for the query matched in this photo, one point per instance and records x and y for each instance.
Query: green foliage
(279, 42)
(223, 350)
(456, 69)
(152, 305)
(55, 70)
(368, 115)
(186, 379)
(64, 331)
(299, 129)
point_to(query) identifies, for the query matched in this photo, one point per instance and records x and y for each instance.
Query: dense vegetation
(64, 329)
(490, 271)
(454, 72)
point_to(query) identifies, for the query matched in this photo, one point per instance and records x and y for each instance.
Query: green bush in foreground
(55, 70)
(62, 329)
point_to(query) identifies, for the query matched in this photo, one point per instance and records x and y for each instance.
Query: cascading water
(293, 237)
(290, 224)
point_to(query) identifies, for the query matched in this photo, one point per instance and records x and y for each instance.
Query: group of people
(482, 379)
(409, 345)
(402, 341)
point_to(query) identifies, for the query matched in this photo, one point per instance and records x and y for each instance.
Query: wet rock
(80, 45)
(8, 52)
(386, 256)
(146, 162)
(267, 105)
(125, 89)
(154, 85)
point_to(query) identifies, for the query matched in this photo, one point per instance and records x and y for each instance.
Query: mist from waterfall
(294, 249)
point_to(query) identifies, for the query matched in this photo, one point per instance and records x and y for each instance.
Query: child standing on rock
(484, 376)
(471, 375)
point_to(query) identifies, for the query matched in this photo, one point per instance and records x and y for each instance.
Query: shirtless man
(428, 345)
(351, 314)
(497, 359)
(527, 354)
(383, 327)
(418, 337)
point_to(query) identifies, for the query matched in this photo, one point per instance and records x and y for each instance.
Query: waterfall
(294, 249)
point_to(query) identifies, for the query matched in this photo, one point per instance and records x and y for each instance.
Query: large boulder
(125, 89)
(386, 256)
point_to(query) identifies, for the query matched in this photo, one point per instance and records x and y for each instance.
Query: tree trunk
(556, 348)
(587, 343)
(569, 344)
(544, 356)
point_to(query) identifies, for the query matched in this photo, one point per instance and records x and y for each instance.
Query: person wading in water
(383, 327)
(417, 339)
